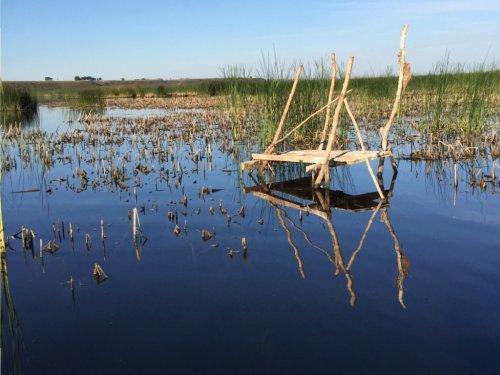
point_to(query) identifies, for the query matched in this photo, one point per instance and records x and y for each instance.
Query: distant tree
(49, 78)
(99, 79)
(123, 79)
(77, 78)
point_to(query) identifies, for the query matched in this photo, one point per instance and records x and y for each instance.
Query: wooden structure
(294, 194)
(325, 155)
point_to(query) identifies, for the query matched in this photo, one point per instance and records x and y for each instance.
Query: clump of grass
(17, 105)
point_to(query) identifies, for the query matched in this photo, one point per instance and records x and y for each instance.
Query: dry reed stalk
(404, 67)
(136, 222)
(99, 273)
(41, 248)
(270, 149)
(102, 231)
(455, 175)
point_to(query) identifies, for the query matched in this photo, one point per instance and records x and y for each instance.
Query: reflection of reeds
(14, 328)
(14, 333)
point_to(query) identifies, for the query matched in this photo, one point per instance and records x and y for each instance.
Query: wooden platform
(316, 157)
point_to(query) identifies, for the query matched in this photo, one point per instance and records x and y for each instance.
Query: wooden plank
(352, 158)
(318, 156)
(252, 164)
(302, 156)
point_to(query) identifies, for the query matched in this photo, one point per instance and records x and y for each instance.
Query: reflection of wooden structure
(299, 194)
(325, 155)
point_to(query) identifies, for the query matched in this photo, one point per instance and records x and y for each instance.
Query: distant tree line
(87, 78)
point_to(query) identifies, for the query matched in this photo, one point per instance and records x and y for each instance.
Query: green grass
(449, 102)
(17, 105)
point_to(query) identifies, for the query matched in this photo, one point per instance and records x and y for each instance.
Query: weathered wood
(329, 109)
(317, 157)
(331, 139)
(251, 165)
(404, 77)
(360, 138)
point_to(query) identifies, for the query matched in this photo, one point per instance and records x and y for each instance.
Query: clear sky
(190, 39)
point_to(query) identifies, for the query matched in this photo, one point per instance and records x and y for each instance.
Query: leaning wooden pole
(360, 139)
(331, 139)
(270, 149)
(404, 77)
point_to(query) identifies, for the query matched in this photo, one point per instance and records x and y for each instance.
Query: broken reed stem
(102, 231)
(41, 248)
(360, 138)
(404, 77)
(330, 97)
(270, 149)
(136, 222)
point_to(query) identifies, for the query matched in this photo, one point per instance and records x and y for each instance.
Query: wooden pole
(358, 132)
(333, 130)
(330, 97)
(404, 77)
(270, 149)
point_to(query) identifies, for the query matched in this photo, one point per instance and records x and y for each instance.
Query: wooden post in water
(404, 77)
(324, 172)
(329, 109)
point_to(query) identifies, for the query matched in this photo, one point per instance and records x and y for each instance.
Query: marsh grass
(17, 105)
(449, 103)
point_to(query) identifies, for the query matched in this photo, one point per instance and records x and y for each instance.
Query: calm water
(420, 296)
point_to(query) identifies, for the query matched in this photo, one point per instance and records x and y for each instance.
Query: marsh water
(227, 275)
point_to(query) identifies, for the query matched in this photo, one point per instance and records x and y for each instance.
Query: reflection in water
(13, 335)
(293, 194)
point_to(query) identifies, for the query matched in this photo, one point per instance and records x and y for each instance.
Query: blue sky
(191, 39)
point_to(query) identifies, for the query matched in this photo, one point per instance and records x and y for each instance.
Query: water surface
(421, 294)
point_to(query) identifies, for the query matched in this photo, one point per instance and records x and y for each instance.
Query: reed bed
(17, 105)
(451, 103)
